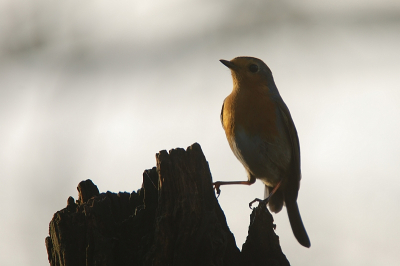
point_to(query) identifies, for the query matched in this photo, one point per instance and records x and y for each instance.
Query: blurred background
(94, 89)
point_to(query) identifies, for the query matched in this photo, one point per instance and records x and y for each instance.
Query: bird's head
(249, 72)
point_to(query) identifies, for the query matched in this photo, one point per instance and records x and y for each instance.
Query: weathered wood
(174, 219)
(262, 244)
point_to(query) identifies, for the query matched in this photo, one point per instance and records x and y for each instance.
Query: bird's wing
(293, 182)
(294, 174)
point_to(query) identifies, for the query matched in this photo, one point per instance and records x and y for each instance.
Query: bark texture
(174, 219)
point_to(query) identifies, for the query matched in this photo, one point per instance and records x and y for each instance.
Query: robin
(263, 137)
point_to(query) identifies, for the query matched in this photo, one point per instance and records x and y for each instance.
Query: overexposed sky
(94, 89)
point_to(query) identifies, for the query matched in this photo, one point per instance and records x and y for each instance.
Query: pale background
(93, 89)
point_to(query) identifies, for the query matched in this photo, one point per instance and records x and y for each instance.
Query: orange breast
(252, 110)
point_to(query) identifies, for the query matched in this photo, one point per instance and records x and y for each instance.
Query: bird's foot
(264, 202)
(216, 186)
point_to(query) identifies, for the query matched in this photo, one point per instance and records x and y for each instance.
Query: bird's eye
(253, 68)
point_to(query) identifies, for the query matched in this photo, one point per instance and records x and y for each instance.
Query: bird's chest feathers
(256, 135)
(253, 112)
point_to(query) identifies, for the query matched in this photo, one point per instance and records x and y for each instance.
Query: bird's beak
(228, 64)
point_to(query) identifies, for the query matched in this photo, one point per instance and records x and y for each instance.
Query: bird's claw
(216, 186)
(259, 202)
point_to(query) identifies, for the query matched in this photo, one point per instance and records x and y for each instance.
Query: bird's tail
(296, 223)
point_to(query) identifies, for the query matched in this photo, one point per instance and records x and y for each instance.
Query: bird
(262, 135)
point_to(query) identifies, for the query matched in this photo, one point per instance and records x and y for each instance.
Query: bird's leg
(220, 183)
(265, 201)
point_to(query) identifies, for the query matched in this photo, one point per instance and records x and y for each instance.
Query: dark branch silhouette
(174, 219)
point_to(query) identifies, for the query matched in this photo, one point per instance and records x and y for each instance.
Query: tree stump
(174, 219)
